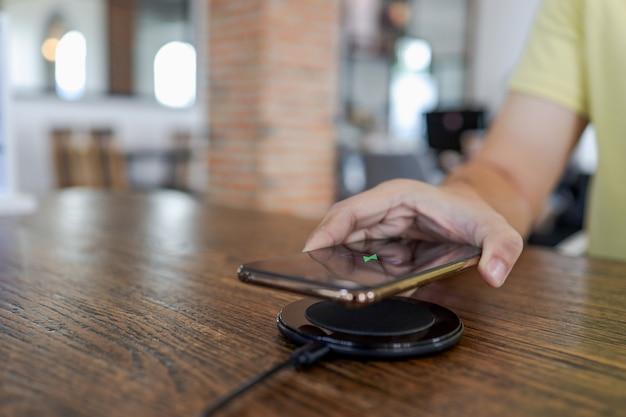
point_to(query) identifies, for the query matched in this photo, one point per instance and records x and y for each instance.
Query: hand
(412, 209)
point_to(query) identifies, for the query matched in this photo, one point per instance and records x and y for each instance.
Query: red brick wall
(273, 68)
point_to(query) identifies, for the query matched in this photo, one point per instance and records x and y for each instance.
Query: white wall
(5, 169)
(28, 19)
(11, 201)
(501, 29)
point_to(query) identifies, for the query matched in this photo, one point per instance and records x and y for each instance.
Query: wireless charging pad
(396, 327)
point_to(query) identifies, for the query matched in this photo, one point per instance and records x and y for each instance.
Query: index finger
(333, 230)
(349, 216)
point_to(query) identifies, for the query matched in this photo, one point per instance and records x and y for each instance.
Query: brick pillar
(273, 88)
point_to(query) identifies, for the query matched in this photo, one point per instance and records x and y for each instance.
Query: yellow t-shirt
(576, 57)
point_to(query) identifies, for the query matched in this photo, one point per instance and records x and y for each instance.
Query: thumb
(502, 245)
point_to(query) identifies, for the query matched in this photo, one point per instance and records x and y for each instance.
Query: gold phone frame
(356, 297)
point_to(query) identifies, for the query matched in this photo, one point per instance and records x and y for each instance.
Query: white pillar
(11, 202)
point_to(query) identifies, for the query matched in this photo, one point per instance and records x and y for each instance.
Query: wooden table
(120, 305)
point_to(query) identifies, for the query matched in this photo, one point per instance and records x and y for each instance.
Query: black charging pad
(397, 327)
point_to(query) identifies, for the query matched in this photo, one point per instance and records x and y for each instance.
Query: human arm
(490, 202)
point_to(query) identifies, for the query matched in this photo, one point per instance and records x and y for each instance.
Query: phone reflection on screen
(367, 263)
(394, 259)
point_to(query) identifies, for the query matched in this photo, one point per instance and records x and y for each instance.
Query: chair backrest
(60, 139)
(88, 160)
(109, 160)
(182, 160)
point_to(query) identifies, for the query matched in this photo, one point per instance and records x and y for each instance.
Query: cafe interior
(151, 149)
(147, 95)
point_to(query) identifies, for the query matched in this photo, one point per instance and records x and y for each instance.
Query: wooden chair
(182, 162)
(88, 160)
(61, 157)
(110, 160)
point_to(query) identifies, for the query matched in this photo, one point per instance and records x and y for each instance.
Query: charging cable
(303, 357)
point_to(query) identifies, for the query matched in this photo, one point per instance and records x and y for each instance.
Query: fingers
(389, 210)
(346, 220)
(502, 246)
(333, 230)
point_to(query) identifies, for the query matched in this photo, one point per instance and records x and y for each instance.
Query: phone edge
(359, 297)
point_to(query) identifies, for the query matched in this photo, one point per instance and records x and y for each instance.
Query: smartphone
(361, 272)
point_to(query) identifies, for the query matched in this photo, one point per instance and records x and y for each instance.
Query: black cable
(303, 357)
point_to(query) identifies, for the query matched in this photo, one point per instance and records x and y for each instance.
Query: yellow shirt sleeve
(552, 66)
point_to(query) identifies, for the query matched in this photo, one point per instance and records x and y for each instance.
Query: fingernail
(497, 270)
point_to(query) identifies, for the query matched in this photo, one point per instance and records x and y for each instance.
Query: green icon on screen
(373, 257)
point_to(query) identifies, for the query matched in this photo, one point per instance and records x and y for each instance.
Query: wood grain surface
(128, 305)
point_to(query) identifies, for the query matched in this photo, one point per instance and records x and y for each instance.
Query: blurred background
(275, 105)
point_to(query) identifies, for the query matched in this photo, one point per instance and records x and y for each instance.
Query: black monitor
(445, 128)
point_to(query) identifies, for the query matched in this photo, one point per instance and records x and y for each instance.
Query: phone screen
(361, 265)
